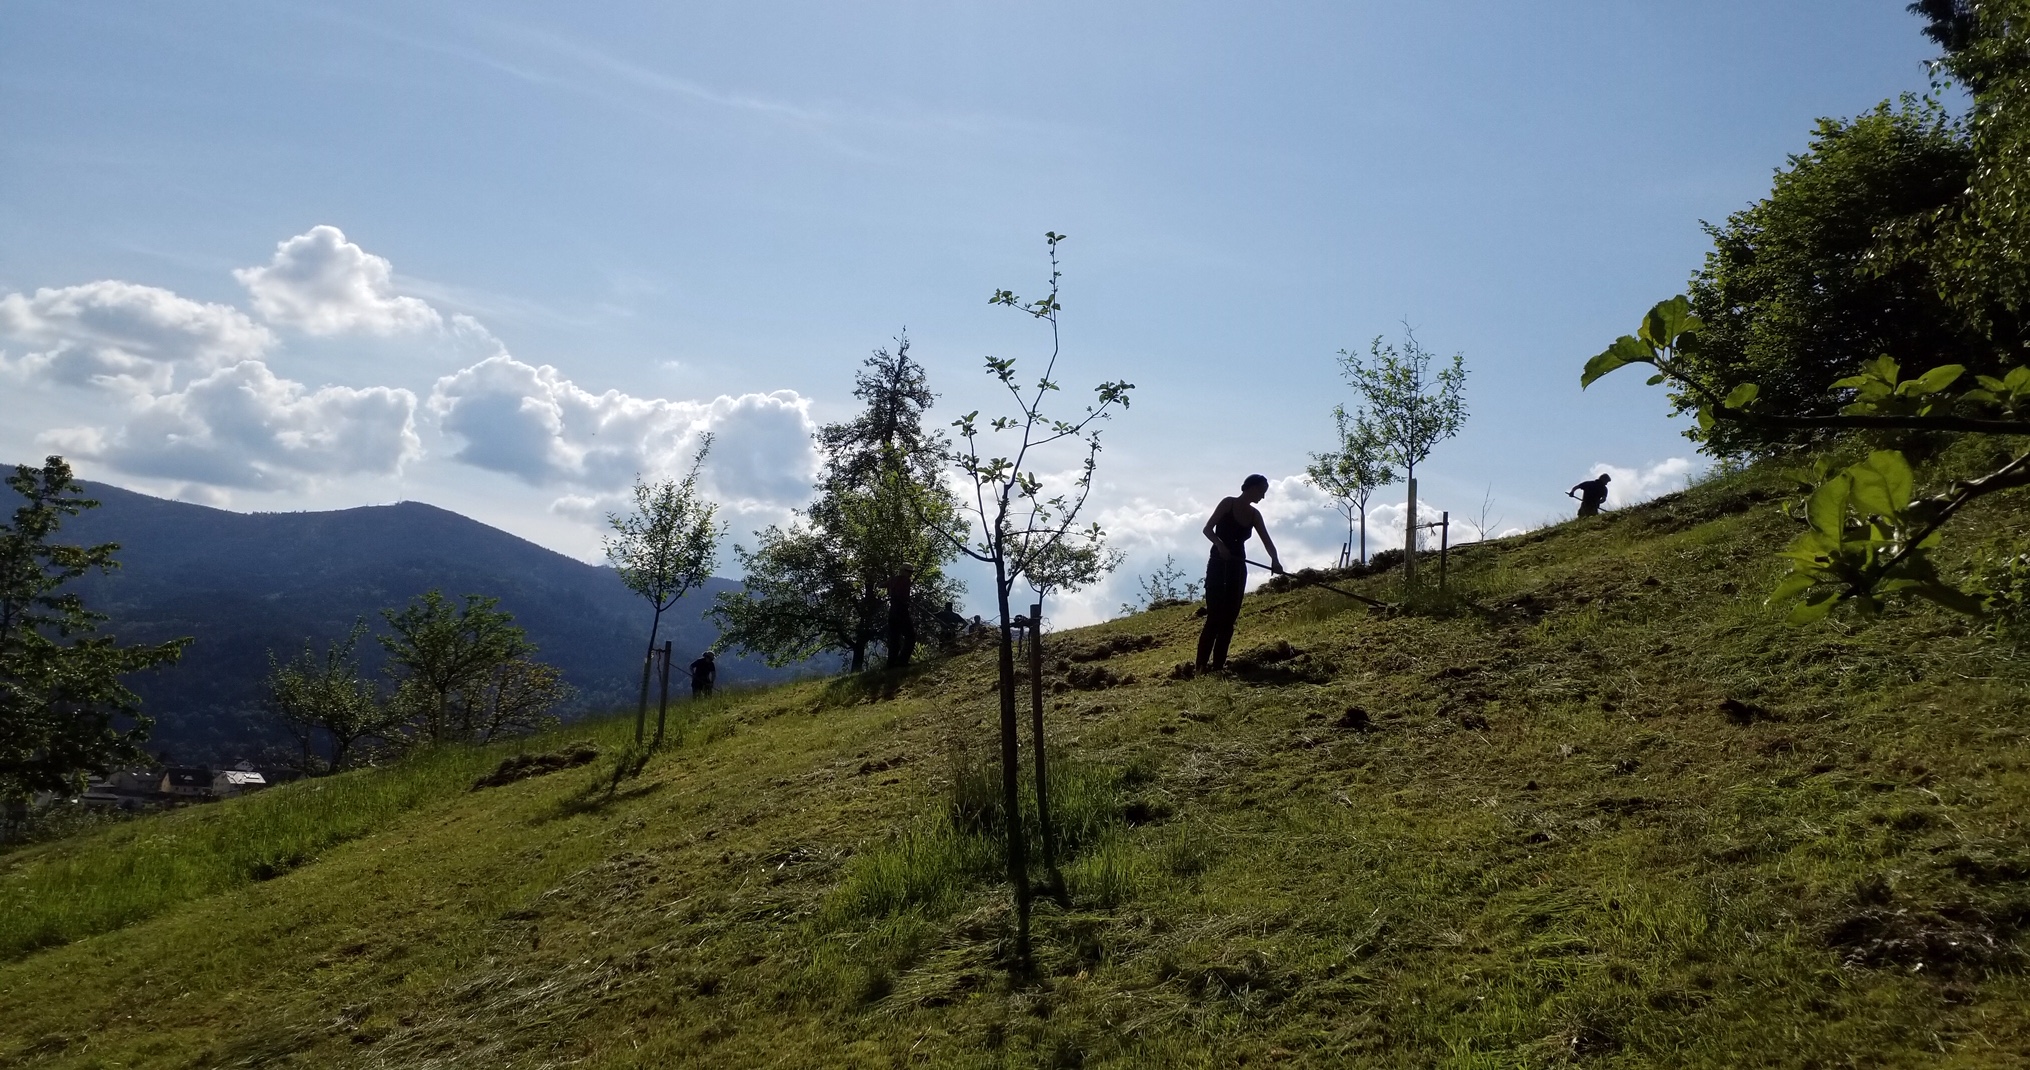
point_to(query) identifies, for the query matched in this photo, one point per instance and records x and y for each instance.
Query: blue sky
(561, 241)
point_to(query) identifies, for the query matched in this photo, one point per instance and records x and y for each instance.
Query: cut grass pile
(1596, 806)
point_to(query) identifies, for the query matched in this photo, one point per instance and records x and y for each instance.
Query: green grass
(1549, 845)
(128, 872)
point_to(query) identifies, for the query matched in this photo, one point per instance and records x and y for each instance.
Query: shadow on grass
(873, 685)
(594, 798)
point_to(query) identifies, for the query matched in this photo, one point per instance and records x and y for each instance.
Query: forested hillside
(244, 584)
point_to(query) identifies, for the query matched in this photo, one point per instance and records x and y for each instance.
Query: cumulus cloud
(122, 336)
(320, 283)
(243, 426)
(1632, 486)
(530, 422)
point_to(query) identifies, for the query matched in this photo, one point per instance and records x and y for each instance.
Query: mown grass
(1602, 808)
(130, 871)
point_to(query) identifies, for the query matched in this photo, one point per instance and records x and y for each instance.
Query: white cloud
(531, 422)
(122, 336)
(1632, 486)
(244, 427)
(320, 283)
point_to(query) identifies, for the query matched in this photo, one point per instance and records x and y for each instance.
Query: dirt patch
(1094, 678)
(1739, 712)
(1942, 943)
(1112, 645)
(1280, 663)
(524, 766)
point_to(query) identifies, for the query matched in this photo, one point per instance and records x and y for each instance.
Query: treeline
(454, 673)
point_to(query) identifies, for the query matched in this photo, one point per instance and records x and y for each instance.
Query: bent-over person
(704, 673)
(1226, 572)
(1591, 494)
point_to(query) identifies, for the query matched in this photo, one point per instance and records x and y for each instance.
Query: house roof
(241, 778)
(189, 778)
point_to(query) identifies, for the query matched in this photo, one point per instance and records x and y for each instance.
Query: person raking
(1591, 494)
(1226, 572)
(704, 673)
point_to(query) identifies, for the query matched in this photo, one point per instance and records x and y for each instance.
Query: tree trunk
(1011, 771)
(1036, 743)
(1410, 535)
(647, 659)
(1363, 535)
(859, 649)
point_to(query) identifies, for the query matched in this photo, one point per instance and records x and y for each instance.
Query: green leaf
(1826, 510)
(1933, 381)
(1740, 396)
(1815, 608)
(1793, 585)
(1655, 379)
(1666, 321)
(1896, 477)
(1626, 350)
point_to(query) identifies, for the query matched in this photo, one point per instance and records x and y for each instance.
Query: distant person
(949, 624)
(901, 625)
(1226, 572)
(1592, 494)
(704, 673)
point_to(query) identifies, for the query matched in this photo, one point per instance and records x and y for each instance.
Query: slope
(245, 584)
(1616, 815)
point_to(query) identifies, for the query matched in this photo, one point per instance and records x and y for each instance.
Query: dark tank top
(1233, 529)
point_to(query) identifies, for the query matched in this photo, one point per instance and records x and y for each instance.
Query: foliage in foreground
(64, 713)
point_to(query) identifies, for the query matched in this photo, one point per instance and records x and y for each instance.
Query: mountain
(245, 584)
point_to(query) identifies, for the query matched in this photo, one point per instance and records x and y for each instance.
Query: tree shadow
(594, 798)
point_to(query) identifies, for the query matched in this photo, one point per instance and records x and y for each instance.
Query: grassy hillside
(1611, 812)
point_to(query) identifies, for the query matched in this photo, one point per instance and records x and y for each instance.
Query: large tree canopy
(1804, 286)
(817, 585)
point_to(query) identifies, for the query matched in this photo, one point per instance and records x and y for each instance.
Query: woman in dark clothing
(1226, 573)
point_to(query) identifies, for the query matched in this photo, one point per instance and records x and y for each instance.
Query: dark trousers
(1589, 508)
(901, 640)
(1225, 581)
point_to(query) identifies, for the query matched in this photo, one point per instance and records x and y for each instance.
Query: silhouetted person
(1592, 494)
(1226, 573)
(949, 622)
(901, 625)
(704, 673)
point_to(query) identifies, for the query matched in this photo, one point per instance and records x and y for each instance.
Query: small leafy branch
(1018, 525)
(1868, 535)
(1352, 473)
(1167, 585)
(1024, 530)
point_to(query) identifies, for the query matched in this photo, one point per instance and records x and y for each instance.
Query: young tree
(880, 498)
(442, 656)
(1167, 585)
(1014, 524)
(1413, 409)
(516, 699)
(328, 695)
(663, 550)
(61, 699)
(1353, 472)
